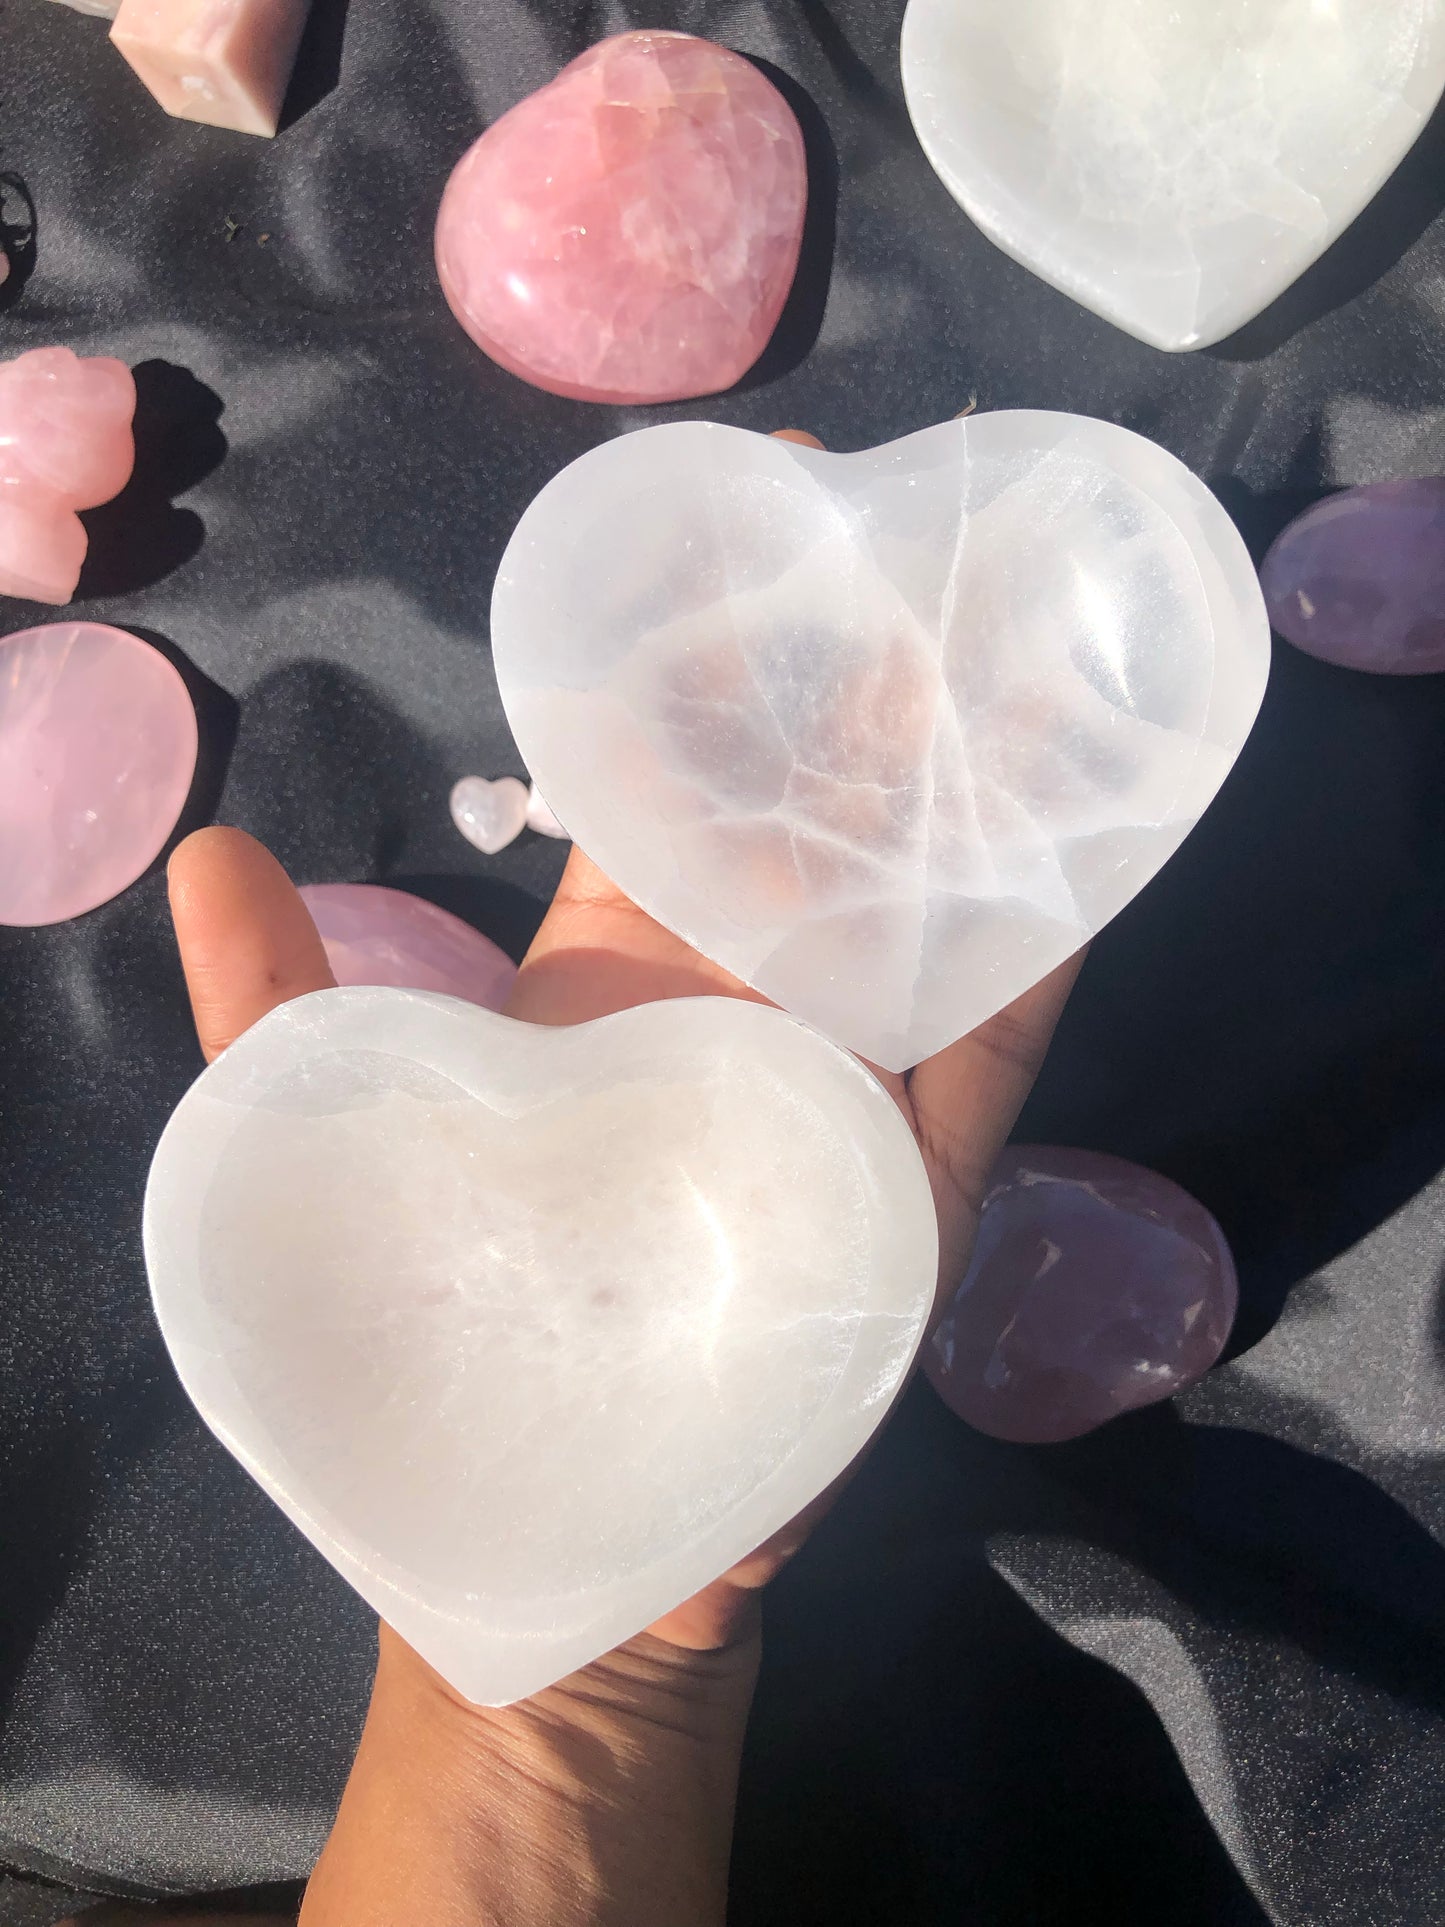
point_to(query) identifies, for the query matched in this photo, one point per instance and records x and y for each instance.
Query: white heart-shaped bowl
(888, 735)
(1174, 168)
(534, 1332)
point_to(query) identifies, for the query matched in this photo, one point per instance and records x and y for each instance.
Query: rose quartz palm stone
(66, 443)
(1096, 1287)
(630, 232)
(97, 752)
(387, 937)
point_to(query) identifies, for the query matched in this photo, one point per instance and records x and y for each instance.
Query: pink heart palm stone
(66, 443)
(630, 232)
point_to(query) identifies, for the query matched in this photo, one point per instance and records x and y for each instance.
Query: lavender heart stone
(1359, 579)
(1096, 1286)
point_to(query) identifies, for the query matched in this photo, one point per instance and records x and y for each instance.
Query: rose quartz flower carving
(630, 232)
(66, 443)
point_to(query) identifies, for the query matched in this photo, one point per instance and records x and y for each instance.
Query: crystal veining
(888, 735)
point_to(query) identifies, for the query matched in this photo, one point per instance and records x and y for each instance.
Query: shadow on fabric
(140, 538)
(802, 316)
(19, 235)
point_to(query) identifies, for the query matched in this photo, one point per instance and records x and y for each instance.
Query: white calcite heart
(535, 1332)
(888, 735)
(1172, 167)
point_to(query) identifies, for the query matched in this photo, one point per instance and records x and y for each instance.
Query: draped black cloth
(1188, 1672)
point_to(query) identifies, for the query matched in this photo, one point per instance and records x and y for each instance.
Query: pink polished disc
(97, 752)
(378, 936)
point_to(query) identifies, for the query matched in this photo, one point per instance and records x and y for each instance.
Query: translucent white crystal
(1172, 167)
(888, 734)
(490, 814)
(534, 1332)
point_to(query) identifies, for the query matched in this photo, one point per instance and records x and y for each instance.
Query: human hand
(610, 1795)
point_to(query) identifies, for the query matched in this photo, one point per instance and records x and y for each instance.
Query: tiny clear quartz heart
(490, 815)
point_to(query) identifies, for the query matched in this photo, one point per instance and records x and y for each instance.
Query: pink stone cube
(226, 63)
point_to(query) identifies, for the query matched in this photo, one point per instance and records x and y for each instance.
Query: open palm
(248, 944)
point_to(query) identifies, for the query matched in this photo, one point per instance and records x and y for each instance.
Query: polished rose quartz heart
(66, 443)
(888, 735)
(630, 232)
(533, 1331)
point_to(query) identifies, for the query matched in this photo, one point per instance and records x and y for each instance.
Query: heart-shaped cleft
(1173, 168)
(888, 735)
(534, 1332)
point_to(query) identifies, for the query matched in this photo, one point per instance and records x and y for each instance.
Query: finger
(967, 1098)
(246, 939)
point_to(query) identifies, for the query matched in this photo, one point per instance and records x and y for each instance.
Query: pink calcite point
(66, 443)
(97, 752)
(378, 936)
(630, 232)
(226, 63)
(1096, 1286)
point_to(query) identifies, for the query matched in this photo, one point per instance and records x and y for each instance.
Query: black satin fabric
(1188, 1672)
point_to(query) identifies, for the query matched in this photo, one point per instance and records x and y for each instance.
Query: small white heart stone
(490, 815)
(888, 735)
(539, 816)
(1175, 167)
(534, 1332)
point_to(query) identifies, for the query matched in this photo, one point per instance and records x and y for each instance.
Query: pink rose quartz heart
(66, 443)
(97, 752)
(630, 232)
(389, 937)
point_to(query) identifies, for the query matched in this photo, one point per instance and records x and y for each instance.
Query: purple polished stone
(1096, 1286)
(1359, 579)
(378, 936)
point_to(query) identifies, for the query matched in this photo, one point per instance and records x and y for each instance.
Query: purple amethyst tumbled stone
(1359, 579)
(1096, 1286)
